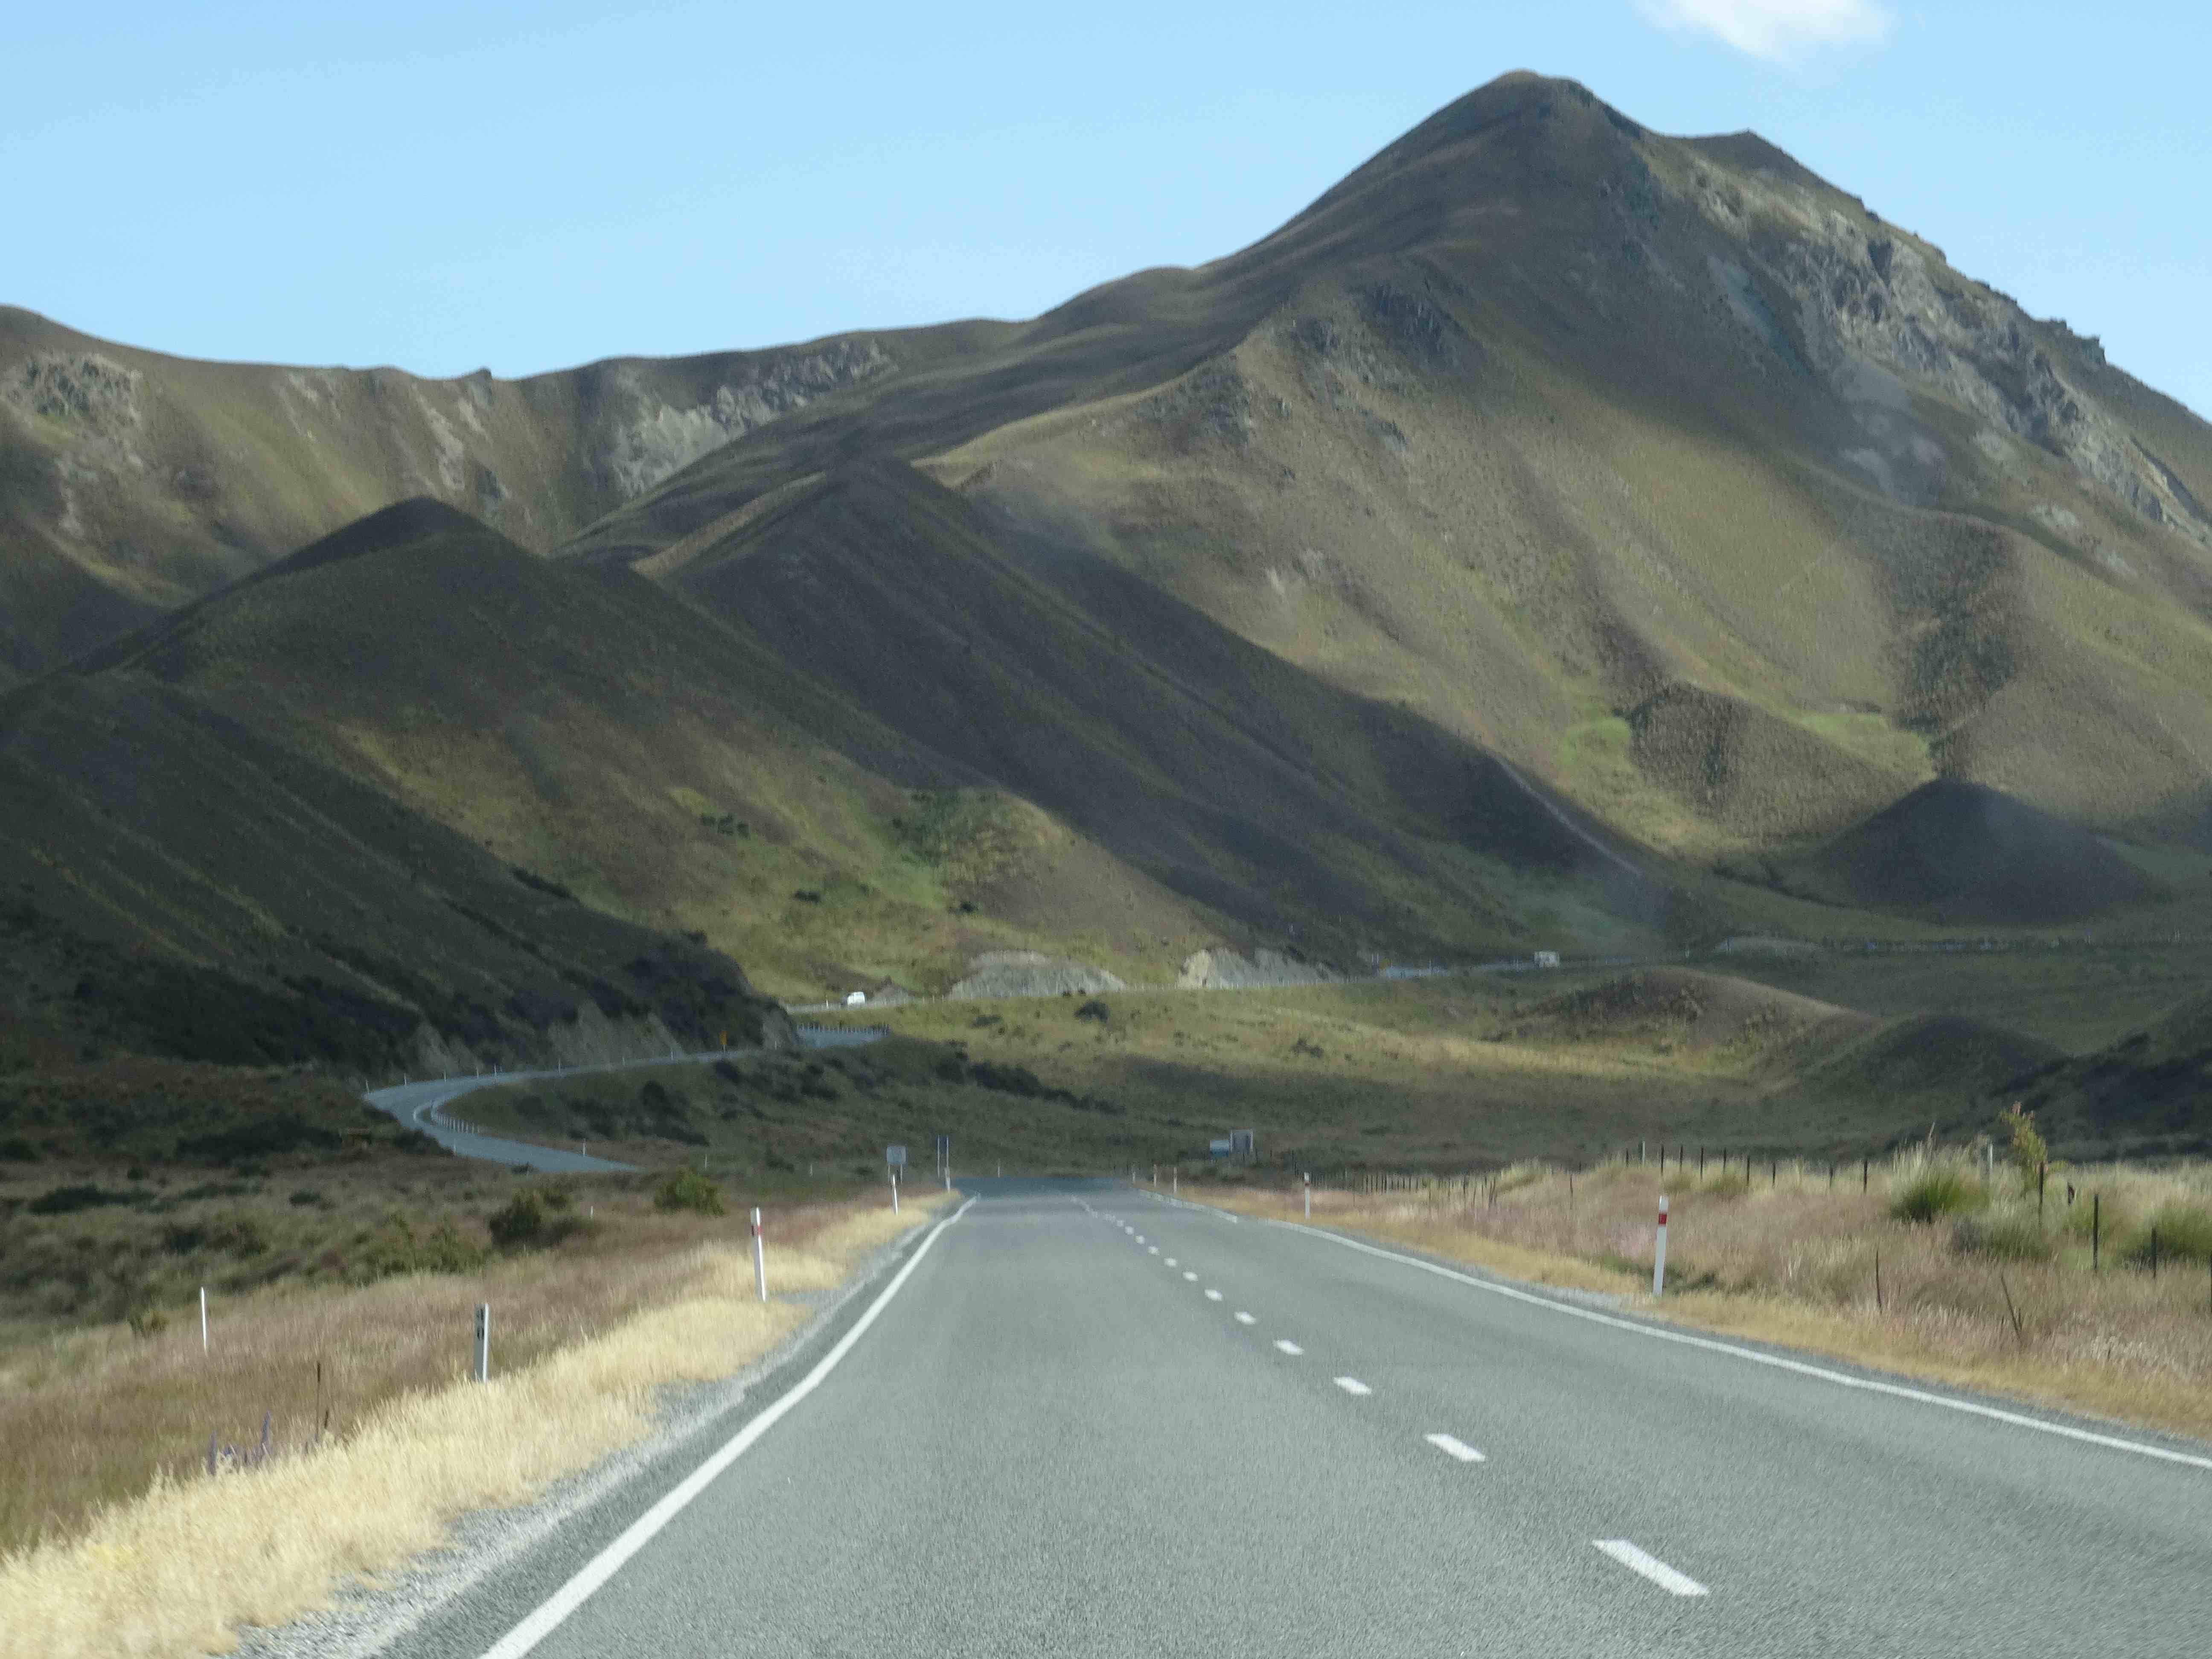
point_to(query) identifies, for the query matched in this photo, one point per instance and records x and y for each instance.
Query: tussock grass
(1998, 1299)
(580, 1348)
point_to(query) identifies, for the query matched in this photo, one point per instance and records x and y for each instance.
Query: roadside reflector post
(204, 1348)
(894, 1191)
(1310, 1195)
(483, 1342)
(760, 1258)
(1175, 1179)
(1659, 1257)
(2096, 1230)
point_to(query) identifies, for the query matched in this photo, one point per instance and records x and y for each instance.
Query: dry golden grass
(182, 1567)
(1793, 1263)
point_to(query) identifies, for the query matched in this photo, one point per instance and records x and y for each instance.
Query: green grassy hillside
(665, 767)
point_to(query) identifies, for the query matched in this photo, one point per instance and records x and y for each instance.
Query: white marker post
(1310, 1195)
(1659, 1259)
(895, 1209)
(483, 1342)
(760, 1258)
(1175, 1179)
(204, 1348)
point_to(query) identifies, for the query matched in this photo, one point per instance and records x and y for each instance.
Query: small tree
(2024, 1144)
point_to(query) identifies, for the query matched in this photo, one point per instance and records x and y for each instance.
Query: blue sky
(528, 186)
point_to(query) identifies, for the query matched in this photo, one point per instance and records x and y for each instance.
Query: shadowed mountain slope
(2149, 1094)
(1228, 775)
(174, 883)
(667, 767)
(1961, 853)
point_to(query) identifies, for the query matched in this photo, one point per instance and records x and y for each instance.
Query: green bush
(68, 1200)
(1935, 1193)
(522, 1221)
(2007, 1237)
(689, 1189)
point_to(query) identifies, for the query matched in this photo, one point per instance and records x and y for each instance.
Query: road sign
(896, 1156)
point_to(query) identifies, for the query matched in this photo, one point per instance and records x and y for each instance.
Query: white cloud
(1775, 28)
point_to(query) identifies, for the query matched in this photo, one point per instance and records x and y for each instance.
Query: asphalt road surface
(1079, 1420)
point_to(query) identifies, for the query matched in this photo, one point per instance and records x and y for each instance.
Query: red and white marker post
(1310, 1195)
(1659, 1258)
(760, 1258)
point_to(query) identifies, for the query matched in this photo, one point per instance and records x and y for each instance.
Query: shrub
(68, 1200)
(1933, 1193)
(306, 1196)
(2007, 1237)
(520, 1222)
(1096, 1010)
(241, 1235)
(689, 1189)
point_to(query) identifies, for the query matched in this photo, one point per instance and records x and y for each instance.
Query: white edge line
(1203, 1209)
(1637, 1560)
(1843, 1379)
(549, 1615)
(1452, 1445)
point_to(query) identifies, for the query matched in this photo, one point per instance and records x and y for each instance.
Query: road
(422, 1105)
(1080, 1420)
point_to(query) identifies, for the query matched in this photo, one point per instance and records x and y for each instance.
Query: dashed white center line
(1451, 1446)
(1213, 1296)
(1171, 1261)
(1288, 1347)
(1192, 1277)
(1246, 1319)
(1352, 1385)
(1153, 1249)
(1140, 1238)
(1635, 1560)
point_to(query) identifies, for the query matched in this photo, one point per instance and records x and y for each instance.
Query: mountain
(132, 482)
(1552, 512)
(1662, 469)
(2149, 1094)
(668, 768)
(1962, 853)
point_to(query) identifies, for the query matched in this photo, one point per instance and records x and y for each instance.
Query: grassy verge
(121, 1542)
(1983, 1294)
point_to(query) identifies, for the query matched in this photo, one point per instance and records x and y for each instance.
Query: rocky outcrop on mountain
(1226, 970)
(641, 437)
(1875, 313)
(1032, 973)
